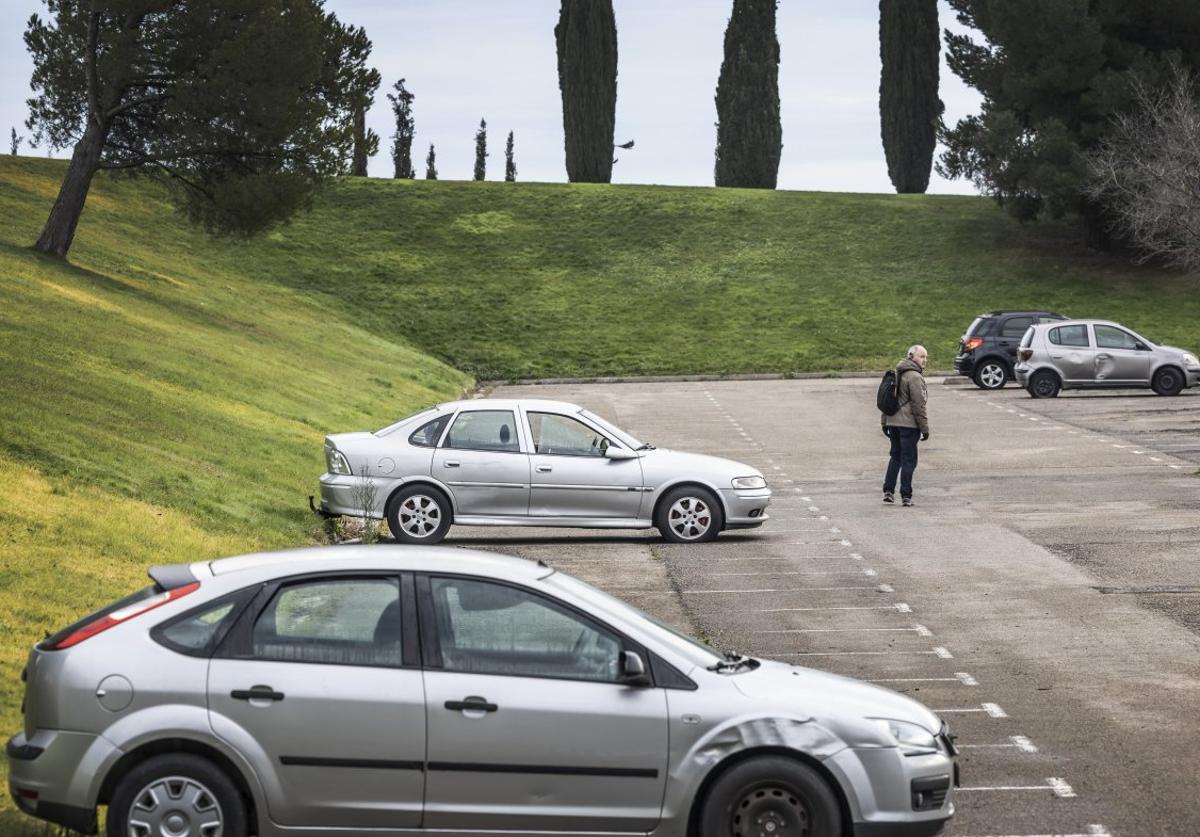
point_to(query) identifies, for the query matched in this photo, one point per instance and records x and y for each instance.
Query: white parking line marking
(1155, 459)
(886, 588)
(961, 677)
(902, 607)
(1176, 467)
(853, 654)
(992, 710)
(1015, 742)
(858, 630)
(1056, 786)
(813, 509)
(943, 653)
(1093, 831)
(822, 610)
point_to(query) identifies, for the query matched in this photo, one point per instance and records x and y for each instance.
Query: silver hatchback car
(504, 462)
(391, 690)
(1093, 354)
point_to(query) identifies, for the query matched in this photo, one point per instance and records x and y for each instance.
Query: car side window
(1015, 326)
(1108, 337)
(558, 435)
(488, 628)
(427, 435)
(484, 430)
(196, 632)
(1072, 335)
(332, 621)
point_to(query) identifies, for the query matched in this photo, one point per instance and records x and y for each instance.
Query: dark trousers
(903, 459)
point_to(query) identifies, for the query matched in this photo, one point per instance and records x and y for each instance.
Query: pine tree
(749, 134)
(510, 165)
(481, 152)
(402, 140)
(909, 107)
(586, 38)
(15, 142)
(431, 164)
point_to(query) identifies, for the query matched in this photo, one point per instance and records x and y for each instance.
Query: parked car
(392, 690)
(1091, 354)
(987, 352)
(496, 462)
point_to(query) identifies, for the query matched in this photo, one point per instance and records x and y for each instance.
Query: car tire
(176, 793)
(689, 514)
(991, 374)
(747, 798)
(1044, 384)
(1167, 381)
(419, 514)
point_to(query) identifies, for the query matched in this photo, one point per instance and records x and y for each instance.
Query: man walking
(906, 425)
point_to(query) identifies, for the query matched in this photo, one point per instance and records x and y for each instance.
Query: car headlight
(336, 463)
(912, 739)
(1190, 359)
(749, 482)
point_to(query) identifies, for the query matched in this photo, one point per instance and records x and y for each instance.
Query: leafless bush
(1146, 174)
(365, 499)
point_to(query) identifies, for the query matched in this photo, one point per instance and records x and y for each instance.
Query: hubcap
(175, 807)
(992, 375)
(689, 518)
(1044, 386)
(771, 811)
(420, 516)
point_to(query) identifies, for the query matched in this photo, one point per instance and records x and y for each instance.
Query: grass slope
(513, 280)
(158, 405)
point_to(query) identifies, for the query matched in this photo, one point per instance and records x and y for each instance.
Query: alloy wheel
(992, 376)
(175, 806)
(420, 516)
(770, 811)
(690, 518)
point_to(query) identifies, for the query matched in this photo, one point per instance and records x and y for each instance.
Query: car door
(319, 686)
(570, 474)
(1071, 350)
(1119, 361)
(483, 462)
(1009, 336)
(529, 728)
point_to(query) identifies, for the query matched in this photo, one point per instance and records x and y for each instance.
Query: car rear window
(980, 327)
(1027, 339)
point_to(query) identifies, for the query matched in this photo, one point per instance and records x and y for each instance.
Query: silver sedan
(494, 462)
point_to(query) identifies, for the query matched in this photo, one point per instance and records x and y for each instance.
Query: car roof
(1082, 322)
(1022, 311)
(509, 404)
(383, 557)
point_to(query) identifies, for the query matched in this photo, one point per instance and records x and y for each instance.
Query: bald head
(918, 355)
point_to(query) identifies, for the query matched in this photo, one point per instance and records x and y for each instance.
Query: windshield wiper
(734, 661)
(646, 446)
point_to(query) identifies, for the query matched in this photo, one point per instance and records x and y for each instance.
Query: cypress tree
(402, 140)
(510, 165)
(749, 134)
(586, 37)
(431, 164)
(481, 150)
(909, 107)
(15, 142)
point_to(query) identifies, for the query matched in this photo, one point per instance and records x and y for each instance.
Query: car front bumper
(1192, 377)
(51, 776)
(886, 787)
(745, 508)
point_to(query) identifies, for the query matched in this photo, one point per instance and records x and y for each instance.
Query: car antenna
(545, 566)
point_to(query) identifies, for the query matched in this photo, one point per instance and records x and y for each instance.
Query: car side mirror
(615, 452)
(633, 670)
(1141, 347)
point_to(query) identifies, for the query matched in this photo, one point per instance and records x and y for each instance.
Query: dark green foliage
(244, 106)
(510, 165)
(366, 143)
(431, 164)
(909, 107)
(481, 151)
(586, 37)
(402, 140)
(1052, 73)
(749, 134)
(15, 143)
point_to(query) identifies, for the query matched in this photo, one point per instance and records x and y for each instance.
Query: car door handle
(473, 703)
(257, 693)
(1102, 357)
(544, 469)
(450, 464)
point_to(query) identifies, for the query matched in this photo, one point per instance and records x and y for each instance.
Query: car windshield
(692, 648)
(623, 437)
(405, 420)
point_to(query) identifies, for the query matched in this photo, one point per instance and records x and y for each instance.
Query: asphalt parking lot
(1043, 595)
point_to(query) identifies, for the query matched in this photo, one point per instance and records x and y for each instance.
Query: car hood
(820, 695)
(698, 464)
(1176, 350)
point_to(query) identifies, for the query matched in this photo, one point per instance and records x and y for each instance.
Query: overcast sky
(495, 59)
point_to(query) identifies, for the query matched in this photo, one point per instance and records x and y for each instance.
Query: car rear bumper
(344, 494)
(50, 776)
(964, 364)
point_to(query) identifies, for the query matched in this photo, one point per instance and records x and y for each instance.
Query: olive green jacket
(914, 398)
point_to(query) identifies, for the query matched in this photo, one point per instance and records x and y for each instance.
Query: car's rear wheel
(419, 514)
(770, 796)
(1044, 384)
(991, 374)
(176, 794)
(689, 514)
(1167, 381)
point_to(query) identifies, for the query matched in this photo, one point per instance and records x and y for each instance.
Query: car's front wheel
(770, 796)
(991, 374)
(176, 794)
(1167, 381)
(1044, 384)
(419, 514)
(689, 514)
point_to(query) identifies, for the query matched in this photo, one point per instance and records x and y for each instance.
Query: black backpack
(887, 398)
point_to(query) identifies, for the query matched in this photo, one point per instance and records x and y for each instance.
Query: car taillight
(972, 343)
(1024, 354)
(107, 621)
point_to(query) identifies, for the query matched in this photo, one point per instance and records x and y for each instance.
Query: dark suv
(987, 352)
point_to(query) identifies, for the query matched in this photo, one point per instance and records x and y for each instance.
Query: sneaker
(889, 497)
(906, 501)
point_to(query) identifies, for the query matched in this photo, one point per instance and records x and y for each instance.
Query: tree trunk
(59, 231)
